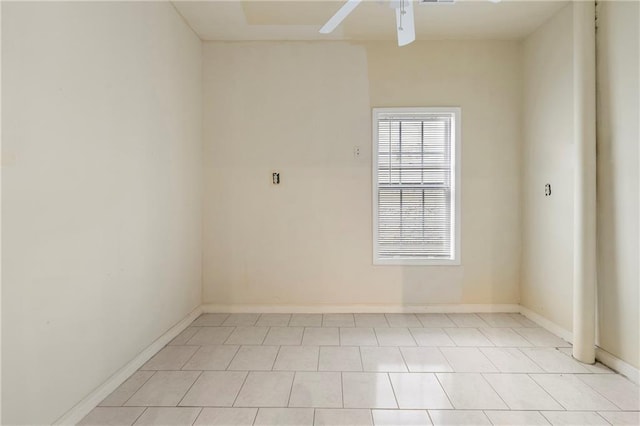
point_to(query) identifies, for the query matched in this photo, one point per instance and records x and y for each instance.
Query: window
(416, 196)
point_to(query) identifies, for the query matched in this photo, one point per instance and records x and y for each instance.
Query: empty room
(340, 212)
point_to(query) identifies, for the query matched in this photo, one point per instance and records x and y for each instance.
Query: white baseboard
(611, 361)
(75, 414)
(359, 309)
(616, 364)
(547, 324)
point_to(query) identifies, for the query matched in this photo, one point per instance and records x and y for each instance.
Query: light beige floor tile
(499, 320)
(209, 320)
(184, 336)
(553, 361)
(468, 360)
(246, 320)
(321, 336)
(620, 418)
(297, 358)
(247, 336)
(425, 360)
(467, 320)
(403, 320)
(470, 391)
(214, 389)
(467, 337)
(419, 390)
(358, 336)
(511, 360)
(226, 417)
(400, 417)
(254, 358)
(168, 416)
(212, 357)
(284, 336)
(371, 320)
(343, 417)
(435, 320)
(125, 390)
(265, 389)
(541, 337)
(108, 416)
(572, 393)
(340, 358)
(394, 337)
(170, 358)
(520, 392)
(306, 320)
(523, 321)
(574, 418)
(505, 337)
(384, 359)
(164, 388)
(615, 388)
(210, 336)
(338, 320)
(284, 417)
(458, 418)
(516, 418)
(274, 320)
(316, 389)
(367, 390)
(431, 337)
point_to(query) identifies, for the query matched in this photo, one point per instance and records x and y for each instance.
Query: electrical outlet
(275, 178)
(356, 152)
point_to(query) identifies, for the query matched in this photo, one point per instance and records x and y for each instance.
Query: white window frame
(456, 159)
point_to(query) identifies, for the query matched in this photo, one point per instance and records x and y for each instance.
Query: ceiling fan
(405, 23)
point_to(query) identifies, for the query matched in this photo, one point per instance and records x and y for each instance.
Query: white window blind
(415, 176)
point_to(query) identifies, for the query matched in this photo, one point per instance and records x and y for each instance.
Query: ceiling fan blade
(342, 13)
(405, 24)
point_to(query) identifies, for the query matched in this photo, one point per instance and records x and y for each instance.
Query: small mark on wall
(547, 190)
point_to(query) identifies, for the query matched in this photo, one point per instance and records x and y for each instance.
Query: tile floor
(368, 369)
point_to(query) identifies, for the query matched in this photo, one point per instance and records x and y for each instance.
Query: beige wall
(300, 108)
(548, 157)
(101, 187)
(618, 163)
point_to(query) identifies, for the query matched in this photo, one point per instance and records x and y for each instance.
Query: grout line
(255, 416)
(494, 389)
(265, 335)
(395, 397)
(226, 368)
(342, 388)
(198, 415)
(124, 404)
(547, 392)
(404, 360)
(233, 404)
(140, 415)
(599, 393)
(185, 394)
(189, 359)
(444, 390)
(295, 373)
(273, 364)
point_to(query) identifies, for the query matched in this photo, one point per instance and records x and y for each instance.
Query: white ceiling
(372, 20)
